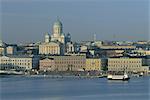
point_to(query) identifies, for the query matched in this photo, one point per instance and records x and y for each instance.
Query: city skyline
(125, 20)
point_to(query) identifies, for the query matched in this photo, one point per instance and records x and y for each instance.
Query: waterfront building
(69, 63)
(93, 64)
(19, 62)
(47, 64)
(131, 65)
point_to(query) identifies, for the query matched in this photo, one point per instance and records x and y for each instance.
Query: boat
(123, 77)
(11, 72)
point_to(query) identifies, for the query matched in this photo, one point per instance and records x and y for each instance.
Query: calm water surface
(40, 88)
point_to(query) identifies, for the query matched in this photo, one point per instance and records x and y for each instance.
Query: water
(40, 88)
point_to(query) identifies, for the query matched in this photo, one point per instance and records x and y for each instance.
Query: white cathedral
(57, 34)
(54, 44)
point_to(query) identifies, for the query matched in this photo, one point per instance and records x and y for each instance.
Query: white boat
(10, 72)
(125, 76)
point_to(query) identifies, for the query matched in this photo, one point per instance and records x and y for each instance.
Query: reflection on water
(40, 88)
(117, 81)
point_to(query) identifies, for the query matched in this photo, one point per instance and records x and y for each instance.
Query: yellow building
(93, 64)
(125, 64)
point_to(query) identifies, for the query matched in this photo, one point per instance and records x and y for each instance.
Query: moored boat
(123, 77)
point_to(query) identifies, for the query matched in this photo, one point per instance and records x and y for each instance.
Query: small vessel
(11, 72)
(123, 77)
(141, 74)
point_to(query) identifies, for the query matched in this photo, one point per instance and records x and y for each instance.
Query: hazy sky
(28, 20)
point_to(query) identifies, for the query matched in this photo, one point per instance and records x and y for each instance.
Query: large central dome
(57, 34)
(58, 23)
(57, 28)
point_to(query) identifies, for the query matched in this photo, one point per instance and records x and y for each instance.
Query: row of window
(124, 62)
(125, 66)
(28, 64)
(15, 60)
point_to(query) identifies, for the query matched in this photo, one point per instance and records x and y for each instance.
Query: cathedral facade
(54, 44)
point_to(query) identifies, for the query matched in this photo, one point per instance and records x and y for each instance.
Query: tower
(67, 38)
(47, 38)
(94, 37)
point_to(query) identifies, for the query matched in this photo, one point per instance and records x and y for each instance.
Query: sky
(121, 20)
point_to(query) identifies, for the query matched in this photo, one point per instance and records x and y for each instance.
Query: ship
(11, 72)
(123, 77)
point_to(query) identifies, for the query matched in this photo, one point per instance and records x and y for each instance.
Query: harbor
(68, 88)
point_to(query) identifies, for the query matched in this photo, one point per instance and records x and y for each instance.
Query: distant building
(83, 48)
(64, 63)
(131, 65)
(51, 48)
(47, 64)
(70, 48)
(142, 52)
(117, 47)
(11, 50)
(97, 64)
(19, 62)
(2, 48)
(93, 64)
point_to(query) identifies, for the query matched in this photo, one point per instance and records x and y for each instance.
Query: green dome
(58, 23)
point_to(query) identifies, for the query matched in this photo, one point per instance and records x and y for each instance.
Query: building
(57, 34)
(64, 63)
(51, 48)
(93, 64)
(117, 47)
(11, 50)
(70, 48)
(54, 44)
(47, 64)
(131, 65)
(2, 48)
(22, 62)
